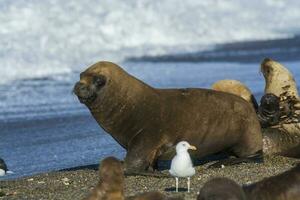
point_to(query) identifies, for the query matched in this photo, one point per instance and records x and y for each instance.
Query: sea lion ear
(99, 80)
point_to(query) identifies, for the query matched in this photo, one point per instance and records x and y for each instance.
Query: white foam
(39, 38)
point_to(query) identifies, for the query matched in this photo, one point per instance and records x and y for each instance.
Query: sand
(76, 183)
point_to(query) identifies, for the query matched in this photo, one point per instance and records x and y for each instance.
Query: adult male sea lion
(147, 122)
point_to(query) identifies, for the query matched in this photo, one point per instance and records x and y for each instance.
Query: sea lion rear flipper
(257, 158)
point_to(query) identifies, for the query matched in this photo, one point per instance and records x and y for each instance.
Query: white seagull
(182, 165)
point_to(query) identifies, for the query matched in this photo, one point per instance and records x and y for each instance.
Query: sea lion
(237, 88)
(285, 186)
(281, 128)
(284, 137)
(148, 122)
(111, 183)
(221, 189)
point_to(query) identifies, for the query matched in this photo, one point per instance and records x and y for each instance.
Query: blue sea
(45, 44)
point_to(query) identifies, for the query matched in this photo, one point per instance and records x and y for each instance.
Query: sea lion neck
(122, 96)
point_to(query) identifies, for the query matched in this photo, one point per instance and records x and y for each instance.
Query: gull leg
(189, 183)
(176, 178)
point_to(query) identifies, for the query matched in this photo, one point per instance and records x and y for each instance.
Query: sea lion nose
(80, 89)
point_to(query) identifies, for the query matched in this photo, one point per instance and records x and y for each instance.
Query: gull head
(184, 146)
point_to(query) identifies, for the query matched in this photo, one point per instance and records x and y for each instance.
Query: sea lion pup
(111, 183)
(148, 122)
(283, 138)
(285, 186)
(237, 88)
(221, 189)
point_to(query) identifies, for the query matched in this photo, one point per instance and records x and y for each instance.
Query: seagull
(181, 165)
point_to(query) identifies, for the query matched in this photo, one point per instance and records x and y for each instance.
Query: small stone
(222, 166)
(30, 179)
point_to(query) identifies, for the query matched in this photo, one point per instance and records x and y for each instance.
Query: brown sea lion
(237, 88)
(221, 189)
(148, 122)
(285, 186)
(111, 183)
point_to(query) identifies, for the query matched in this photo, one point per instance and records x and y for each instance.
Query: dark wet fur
(221, 189)
(3, 165)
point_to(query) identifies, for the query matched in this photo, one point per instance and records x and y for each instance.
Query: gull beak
(192, 147)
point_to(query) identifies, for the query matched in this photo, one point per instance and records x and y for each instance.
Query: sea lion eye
(99, 81)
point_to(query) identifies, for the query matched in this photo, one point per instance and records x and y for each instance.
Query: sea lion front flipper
(257, 158)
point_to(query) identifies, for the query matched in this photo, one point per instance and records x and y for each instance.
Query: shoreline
(75, 183)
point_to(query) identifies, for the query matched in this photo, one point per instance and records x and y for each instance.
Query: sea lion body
(147, 122)
(285, 186)
(221, 188)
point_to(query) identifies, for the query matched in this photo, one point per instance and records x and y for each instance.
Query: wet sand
(76, 183)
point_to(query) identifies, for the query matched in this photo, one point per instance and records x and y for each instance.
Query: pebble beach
(76, 183)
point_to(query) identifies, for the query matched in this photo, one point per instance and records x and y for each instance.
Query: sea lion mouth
(88, 87)
(85, 94)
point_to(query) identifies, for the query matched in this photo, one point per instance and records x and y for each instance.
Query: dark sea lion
(237, 88)
(285, 186)
(221, 189)
(148, 122)
(111, 183)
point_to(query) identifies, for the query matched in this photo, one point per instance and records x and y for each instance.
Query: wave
(40, 38)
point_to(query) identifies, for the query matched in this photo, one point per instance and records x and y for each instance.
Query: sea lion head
(92, 81)
(111, 183)
(221, 189)
(111, 171)
(279, 80)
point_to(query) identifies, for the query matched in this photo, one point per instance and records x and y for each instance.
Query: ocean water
(46, 44)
